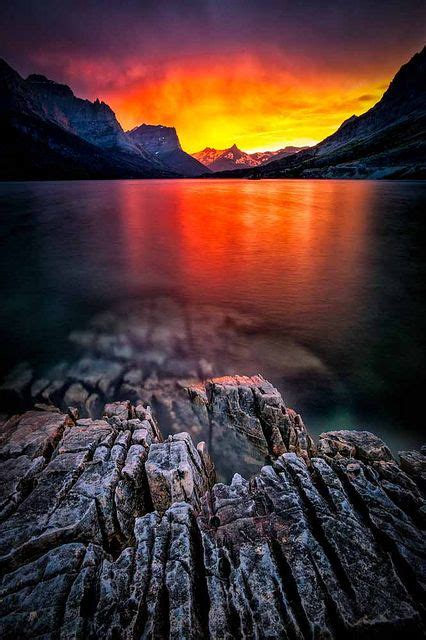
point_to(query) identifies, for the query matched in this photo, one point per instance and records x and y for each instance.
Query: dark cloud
(339, 33)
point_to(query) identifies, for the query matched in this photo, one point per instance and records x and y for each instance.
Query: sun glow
(218, 104)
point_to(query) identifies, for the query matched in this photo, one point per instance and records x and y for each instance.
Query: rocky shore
(111, 531)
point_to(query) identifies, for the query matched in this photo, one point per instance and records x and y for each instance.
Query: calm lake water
(333, 273)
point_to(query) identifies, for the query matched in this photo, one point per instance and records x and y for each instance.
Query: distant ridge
(234, 158)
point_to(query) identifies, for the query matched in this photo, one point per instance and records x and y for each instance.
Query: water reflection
(331, 271)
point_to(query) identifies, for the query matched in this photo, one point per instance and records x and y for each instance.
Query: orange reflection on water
(298, 247)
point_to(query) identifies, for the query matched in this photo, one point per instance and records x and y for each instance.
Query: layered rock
(178, 472)
(253, 409)
(110, 532)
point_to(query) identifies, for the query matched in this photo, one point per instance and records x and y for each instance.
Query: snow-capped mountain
(234, 158)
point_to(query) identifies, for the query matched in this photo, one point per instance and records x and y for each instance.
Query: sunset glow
(217, 105)
(261, 75)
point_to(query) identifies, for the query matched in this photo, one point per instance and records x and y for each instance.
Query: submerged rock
(110, 532)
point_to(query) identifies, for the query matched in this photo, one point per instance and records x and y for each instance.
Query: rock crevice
(109, 531)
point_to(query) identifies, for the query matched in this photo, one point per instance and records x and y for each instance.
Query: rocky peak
(235, 158)
(162, 142)
(39, 82)
(409, 83)
(157, 139)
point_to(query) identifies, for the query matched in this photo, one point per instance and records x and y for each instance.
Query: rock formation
(163, 144)
(110, 532)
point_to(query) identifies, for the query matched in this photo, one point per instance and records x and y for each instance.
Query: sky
(262, 74)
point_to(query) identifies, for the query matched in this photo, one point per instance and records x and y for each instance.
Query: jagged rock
(119, 412)
(34, 595)
(93, 487)
(177, 472)
(394, 527)
(16, 479)
(353, 444)
(110, 532)
(34, 434)
(414, 463)
(282, 529)
(252, 407)
(400, 487)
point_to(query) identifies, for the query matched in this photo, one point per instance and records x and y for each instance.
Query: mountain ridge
(49, 133)
(233, 157)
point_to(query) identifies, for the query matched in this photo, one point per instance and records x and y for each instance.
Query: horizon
(262, 78)
(302, 142)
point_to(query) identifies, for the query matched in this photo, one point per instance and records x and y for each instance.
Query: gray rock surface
(110, 532)
(177, 472)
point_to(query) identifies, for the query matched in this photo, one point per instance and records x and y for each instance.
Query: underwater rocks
(109, 531)
(149, 351)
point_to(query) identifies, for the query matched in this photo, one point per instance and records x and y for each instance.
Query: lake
(327, 279)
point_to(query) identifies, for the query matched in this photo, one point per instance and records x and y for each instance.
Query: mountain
(388, 141)
(163, 144)
(224, 160)
(267, 156)
(46, 132)
(234, 158)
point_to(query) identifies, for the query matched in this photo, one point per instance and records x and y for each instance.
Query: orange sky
(259, 74)
(217, 104)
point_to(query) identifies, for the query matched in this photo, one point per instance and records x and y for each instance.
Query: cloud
(239, 69)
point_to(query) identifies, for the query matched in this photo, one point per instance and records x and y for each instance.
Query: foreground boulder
(109, 531)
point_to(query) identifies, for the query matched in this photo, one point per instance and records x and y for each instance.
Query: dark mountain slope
(34, 149)
(46, 132)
